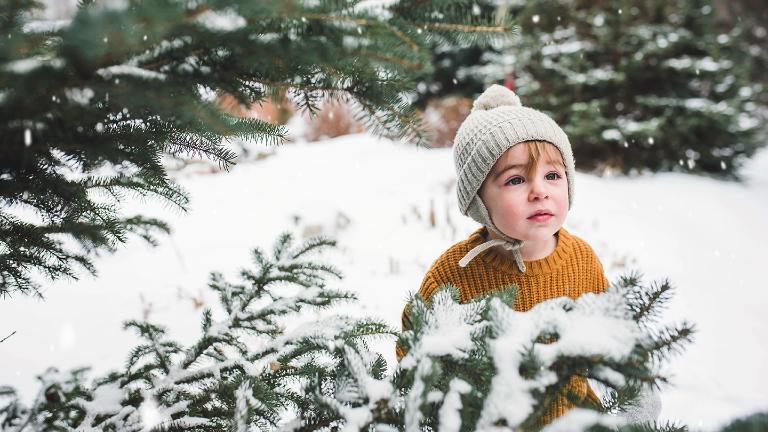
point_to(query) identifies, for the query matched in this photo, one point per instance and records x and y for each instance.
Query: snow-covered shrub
(477, 366)
(482, 365)
(245, 371)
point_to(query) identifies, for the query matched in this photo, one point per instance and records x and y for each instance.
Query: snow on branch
(475, 366)
(243, 371)
(482, 364)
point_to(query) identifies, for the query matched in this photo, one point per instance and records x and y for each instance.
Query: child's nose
(538, 190)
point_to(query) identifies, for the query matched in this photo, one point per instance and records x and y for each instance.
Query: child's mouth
(542, 217)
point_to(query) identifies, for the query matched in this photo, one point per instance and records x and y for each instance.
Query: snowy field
(378, 199)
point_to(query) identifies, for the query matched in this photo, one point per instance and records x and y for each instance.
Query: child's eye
(553, 175)
(514, 180)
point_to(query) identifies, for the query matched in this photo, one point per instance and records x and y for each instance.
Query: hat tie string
(482, 247)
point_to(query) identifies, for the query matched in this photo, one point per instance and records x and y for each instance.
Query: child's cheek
(511, 210)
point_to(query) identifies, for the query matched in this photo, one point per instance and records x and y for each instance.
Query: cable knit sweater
(570, 270)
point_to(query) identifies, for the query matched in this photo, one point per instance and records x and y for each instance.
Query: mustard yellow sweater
(570, 270)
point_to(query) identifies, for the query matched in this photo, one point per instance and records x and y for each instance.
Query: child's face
(512, 197)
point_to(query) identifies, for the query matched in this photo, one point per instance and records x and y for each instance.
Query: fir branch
(92, 117)
(670, 340)
(465, 28)
(653, 427)
(368, 23)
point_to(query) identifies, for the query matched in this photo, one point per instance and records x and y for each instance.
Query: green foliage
(259, 363)
(245, 371)
(448, 77)
(651, 85)
(90, 109)
(465, 363)
(754, 423)
(647, 427)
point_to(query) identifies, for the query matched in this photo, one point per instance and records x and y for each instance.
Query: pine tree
(91, 106)
(651, 85)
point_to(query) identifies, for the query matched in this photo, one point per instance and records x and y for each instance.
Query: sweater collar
(496, 258)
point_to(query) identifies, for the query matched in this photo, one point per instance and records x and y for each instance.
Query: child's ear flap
(478, 211)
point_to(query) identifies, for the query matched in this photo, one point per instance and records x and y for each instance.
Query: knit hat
(497, 122)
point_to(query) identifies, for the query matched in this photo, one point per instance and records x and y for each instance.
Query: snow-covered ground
(378, 198)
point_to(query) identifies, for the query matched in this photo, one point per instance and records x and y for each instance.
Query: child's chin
(541, 234)
(533, 234)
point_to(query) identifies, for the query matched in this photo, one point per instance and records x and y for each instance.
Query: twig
(465, 28)
(5, 338)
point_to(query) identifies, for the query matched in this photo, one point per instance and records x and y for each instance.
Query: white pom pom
(494, 97)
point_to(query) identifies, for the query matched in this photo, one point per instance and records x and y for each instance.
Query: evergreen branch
(653, 427)
(367, 23)
(314, 244)
(408, 64)
(670, 340)
(410, 124)
(644, 304)
(324, 374)
(172, 193)
(465, 28)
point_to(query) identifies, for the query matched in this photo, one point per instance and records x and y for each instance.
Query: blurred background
(638, 85)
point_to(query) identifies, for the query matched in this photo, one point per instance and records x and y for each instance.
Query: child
(515, 172)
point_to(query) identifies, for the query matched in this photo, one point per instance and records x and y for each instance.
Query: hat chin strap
(478, 212)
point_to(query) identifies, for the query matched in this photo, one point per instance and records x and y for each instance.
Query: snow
(706, 235)
(377, 7)
(610, 375)
(130, 70)
(569, 47)
(746, 121)
(583, 332)
(29, 64)
(207, 94)
(80, 96)
(161, 48)
(629, 126)
(579, 419)
(106, 400)
(705, 63)
(612, 134)
(221, 21)
(413, 415)
(373, 389)
(593, 76)
(448, 332)
(594, 325)
(150, 414)
(242, 394)
(449, 416)
(46, 26)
